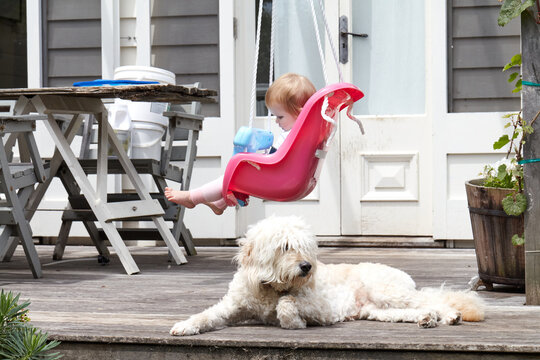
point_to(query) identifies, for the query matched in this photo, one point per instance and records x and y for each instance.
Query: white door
(296, 51)
(386, 174)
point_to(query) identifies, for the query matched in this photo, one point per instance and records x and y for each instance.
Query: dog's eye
(286, 247)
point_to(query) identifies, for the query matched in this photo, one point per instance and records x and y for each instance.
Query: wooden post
(530, 45)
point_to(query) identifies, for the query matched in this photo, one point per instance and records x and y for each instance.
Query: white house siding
(478, 50)
(186, 40)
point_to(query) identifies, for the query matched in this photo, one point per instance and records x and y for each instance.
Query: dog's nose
(305, 267)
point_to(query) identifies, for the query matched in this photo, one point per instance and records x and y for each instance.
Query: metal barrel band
(491, 212)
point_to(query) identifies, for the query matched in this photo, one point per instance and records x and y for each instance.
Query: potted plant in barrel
(497, 203)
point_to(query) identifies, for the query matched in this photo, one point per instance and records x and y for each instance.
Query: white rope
(319, 44)
(334, 52)
(271, 71)
(255, 64)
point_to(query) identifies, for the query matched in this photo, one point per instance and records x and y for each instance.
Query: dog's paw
(428, 321)
(452, 318)
(292, 324)
(183, 328)
(287, 314)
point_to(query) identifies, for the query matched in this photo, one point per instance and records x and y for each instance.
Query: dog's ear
(243, 258)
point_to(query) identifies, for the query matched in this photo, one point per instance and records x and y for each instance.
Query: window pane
(389, 65)
(295, 48)
(478, 49)
(13, 44)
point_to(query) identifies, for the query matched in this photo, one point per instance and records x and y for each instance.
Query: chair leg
(99, 243)
(61, 240)
(21, 224)
(8, 244)
(72, 189)
(181, 233)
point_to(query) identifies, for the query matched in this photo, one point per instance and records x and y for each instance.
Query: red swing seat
(292, 171)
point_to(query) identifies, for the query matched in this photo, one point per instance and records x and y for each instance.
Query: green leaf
(515, 204)
(506, 116)
(503, 140)
(513, 76)
(528, 129)
(516, 59)
(501, 172)
(518, 240)
(511, 9)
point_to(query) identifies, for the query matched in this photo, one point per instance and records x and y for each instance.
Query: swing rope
(330, 40)
(254, 75)
(319, 44)
(271, 71)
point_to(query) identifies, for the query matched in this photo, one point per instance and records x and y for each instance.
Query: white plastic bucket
(146, 140)
(144, 73)
(148, 125)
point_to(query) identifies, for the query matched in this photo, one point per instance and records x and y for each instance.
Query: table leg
(143, 193)
(97, 205)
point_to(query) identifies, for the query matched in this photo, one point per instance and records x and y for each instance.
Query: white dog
(280, 282)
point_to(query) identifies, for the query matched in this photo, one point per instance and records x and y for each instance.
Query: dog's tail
(468, 303)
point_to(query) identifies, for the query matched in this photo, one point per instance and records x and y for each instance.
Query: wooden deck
(97, 310)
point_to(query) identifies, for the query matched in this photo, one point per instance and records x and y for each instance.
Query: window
(478, 49)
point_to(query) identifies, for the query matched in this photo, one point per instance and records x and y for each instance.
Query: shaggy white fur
(280, 282)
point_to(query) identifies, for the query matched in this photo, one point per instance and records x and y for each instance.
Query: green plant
(511, 9)
(18, 339)
(509, 172)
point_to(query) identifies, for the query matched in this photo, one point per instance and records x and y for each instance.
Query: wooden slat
(193, 30)
(75, 63)
(195, 59)
(480, 105)
(6, 215)
(480, 22)
(185, 8)
(484, 52)
(134, 209)
(481, 84)
(475, 3)
(74, 34)
(69, 10)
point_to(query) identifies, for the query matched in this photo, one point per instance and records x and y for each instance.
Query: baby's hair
(291, 91)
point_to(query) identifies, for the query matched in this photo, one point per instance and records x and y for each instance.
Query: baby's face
(284, 119)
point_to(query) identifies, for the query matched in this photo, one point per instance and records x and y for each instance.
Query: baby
(285, 99)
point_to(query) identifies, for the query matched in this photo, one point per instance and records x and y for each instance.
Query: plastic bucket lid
(144, 73)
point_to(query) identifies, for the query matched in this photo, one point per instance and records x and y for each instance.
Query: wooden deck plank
(76, 301)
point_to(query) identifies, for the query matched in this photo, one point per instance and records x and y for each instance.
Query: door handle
(344, 40)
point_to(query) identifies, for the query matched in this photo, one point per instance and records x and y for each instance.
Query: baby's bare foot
(179, 197)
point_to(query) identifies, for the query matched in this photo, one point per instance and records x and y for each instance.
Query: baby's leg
(207, 193)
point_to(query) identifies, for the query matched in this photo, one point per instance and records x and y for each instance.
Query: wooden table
(77, 101)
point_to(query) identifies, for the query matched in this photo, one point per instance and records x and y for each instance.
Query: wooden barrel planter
(499, 261)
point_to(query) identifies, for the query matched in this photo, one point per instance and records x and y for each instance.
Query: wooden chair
(179, 149)
(17, 180)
